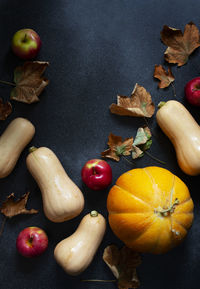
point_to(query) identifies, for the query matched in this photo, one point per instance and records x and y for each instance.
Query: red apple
(32, 242)
(96, 174)
(192, 91)
(26, 43)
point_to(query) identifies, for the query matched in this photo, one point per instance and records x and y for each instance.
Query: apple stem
(7, 82)
(94, 171)
(25, 38)
(2, 226)
(31, 239)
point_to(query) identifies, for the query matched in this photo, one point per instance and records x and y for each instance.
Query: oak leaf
(165, 77)
(117, 147)
(29, 81)
(12, 207)
(139, 104)
(5, 109)
(180, 45)
(123, 263)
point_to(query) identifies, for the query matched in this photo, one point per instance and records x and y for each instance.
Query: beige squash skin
(184, 132)
(12, 142)
(62, 199)
(75, 253)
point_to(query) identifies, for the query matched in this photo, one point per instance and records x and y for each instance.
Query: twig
(98, 280)
(156, 159)
(7, 82)
(132, 163)
(3, 225)
(146, 121)
(174, 90)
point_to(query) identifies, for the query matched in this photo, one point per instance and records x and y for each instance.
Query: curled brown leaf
(165, 77)
(123, 263)
(139, 104)
(180, 45)
(29, 81)
(12, 207)
(117, 147)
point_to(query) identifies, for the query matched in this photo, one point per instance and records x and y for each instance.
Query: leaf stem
(146, 121)
(132, 163)
(156, 159)
(7, 82)
(98, 280)
(174, 90)
(2, 226)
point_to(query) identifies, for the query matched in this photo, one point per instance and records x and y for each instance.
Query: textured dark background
(96, 49)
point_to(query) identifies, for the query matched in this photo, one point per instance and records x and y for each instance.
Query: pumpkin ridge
(141, 233)
(171, 196)
(132, 213)
(154, 185)
(157, 241)
(177, 222)
(180, 223)
(185, 201)
(139, 199)
(184, 213)
(171, 193)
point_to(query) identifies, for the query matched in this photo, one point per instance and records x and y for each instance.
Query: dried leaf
(166, 78)
(138, 104)
(180, 45)
(123, 265)
(142, 142)
(29, 81)
(117, 147)
(137, 152)
(5, 109)
(11, 208)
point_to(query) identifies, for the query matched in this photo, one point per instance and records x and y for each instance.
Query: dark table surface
(96, 49)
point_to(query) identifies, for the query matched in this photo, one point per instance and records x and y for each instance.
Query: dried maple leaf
(138, 104)
(123, 263)
(11, 208)
(166, 78)
(142, 142)
(5, 109)
(180, 45)
(29, 81)
(117, 147)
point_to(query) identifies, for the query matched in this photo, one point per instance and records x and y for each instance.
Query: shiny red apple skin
(26, 43)
(32, 242)
(96, 174)
(192, 91)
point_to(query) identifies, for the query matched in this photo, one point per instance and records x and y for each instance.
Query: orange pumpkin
(150, 209)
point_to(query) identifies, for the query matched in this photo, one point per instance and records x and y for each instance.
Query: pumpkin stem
(170, 210)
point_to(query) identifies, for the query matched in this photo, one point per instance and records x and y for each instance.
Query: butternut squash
(75, 253)
(12, 142)
(62, 199)
(184, 133)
